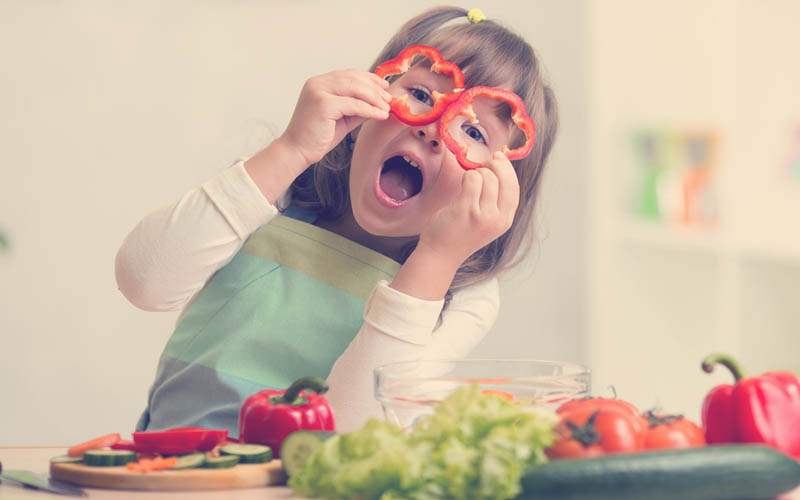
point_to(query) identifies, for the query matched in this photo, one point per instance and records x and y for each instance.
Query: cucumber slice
(190, 461)
(108, 458)
(248, 453)
(298, 446)
(66, 459)
(221, 462)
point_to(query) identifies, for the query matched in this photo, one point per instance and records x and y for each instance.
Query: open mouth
(400, 178)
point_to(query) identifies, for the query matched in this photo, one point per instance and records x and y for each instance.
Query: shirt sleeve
(168, 257)
(398, 327)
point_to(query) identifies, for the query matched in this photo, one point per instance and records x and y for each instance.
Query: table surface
(37, 459)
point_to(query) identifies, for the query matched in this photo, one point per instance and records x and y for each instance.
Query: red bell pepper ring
(402, 63)
(463, 107)
(763, 409)
(178, 441)
(268, 416)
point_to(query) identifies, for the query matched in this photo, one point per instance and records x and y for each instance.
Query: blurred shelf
(658, 234)
(768, 242)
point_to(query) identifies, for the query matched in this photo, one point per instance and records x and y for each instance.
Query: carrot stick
(151, 464)
(94, 444)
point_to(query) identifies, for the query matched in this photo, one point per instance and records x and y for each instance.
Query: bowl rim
(578, 368)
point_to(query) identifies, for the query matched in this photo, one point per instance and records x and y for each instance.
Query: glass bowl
(409, 390)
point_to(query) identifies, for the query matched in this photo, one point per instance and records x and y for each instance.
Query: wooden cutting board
(120, 478)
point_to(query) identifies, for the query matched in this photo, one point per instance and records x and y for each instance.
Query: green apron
(286, 307)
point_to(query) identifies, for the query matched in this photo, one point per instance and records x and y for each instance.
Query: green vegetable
(189, 461)
(718, 472)
(298, 446)
(108, 458)
(473, 446)
(66, 459)
(221, 462)
(248, 453)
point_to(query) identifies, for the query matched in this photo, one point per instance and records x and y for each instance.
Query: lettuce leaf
(474, 446)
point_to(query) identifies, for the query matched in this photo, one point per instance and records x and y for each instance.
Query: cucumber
(716, 472)
(108, 458)
(248, 453)
(189, 461)
(298, 446)
(221, 462)
(66, 459)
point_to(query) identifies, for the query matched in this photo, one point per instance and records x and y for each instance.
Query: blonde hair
(488, 54)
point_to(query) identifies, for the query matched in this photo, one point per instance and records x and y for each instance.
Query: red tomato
(588, 432)
(597, 403)
(671, 432)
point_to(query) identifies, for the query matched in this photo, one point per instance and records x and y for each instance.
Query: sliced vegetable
(248, 453)
(402, 63)
(268, 416)
(152, 464)
(179, 441)
(721, 472)
(298, 446)
(108, 458)
(66, 459)
(671, 432)
(464, 107)
(93, 444)
(221, 462)
(190, 461)
(590, 432)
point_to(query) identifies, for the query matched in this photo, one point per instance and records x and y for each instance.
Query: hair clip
(475, 16)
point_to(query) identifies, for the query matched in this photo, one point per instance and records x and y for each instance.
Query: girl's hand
(482, 211)
(330, 106)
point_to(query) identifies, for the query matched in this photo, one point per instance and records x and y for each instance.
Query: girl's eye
(473, 133)
(421, 96)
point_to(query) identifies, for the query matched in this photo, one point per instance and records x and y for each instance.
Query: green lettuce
(474, 446)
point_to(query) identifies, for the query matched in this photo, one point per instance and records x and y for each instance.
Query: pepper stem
(725, 360)
(314, 384)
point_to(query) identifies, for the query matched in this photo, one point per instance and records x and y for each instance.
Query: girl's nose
(428, 133)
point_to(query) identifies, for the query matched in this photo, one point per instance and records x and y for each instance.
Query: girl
(351, 241)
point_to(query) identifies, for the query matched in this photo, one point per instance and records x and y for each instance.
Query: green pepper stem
(315, 384)
(726, 361)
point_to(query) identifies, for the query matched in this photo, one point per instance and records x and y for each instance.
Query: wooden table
(37, 459)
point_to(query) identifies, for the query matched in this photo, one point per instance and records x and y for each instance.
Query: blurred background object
(667, 226)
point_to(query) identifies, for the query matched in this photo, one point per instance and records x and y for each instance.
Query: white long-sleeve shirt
(170, 255)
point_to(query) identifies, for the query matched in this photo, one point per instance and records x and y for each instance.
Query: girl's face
(401, 175)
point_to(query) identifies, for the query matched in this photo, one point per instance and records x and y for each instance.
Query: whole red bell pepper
(402, 63)
(763, 409)
(268, 416)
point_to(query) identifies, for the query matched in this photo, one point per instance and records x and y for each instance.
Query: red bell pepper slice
(178, 441)
(402, 63)
(463, 107)
(762, 409)
(268, 416)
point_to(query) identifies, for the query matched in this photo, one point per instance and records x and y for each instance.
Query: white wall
(109, 110)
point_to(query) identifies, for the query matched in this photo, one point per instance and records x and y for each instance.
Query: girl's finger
(471, 185)
(491, 186)
(351, 106)
(350, 84)
(508, 184)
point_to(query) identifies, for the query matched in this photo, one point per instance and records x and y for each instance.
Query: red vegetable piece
(463, 107)
(179, 441)
(402, 63)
